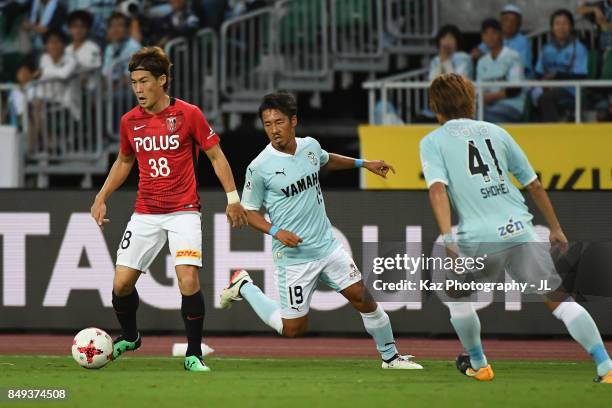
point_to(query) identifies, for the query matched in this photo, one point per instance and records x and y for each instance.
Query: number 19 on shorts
(296, 297)
(159, 167)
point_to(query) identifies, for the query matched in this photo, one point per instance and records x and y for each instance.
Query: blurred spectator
(120, 45)
(210, 12)
(14, 42)
(100, 10)
(17, 102)
(240, 7)
(55, 63)
(86, 52)
(449, 59)
(601, 14)
(500, 64)
(511, 18)
(563, 58)
(55, 93)
(181, 22)
(45, 15)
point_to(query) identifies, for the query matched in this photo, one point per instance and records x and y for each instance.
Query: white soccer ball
(92, 348)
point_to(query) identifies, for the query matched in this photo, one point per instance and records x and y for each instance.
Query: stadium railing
(303, 45)
(248, 59)
(119, 96)
(195, 71)
(382, 93)
(410, 25)
(397, 106)
(357, 35)
(63, 127)
(5, 116)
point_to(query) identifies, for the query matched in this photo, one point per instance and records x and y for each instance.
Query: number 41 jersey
(475, 159)
(166, 146)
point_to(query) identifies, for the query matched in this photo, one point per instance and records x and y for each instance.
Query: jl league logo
(313, 159)
(171, 124)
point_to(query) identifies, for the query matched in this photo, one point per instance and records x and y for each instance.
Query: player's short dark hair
(80, 15)
(154, 60)
(490, 23)
(562, 12)
(452, 96)
(452, 30)
(282, 101)
(117, 15)
(57, 33)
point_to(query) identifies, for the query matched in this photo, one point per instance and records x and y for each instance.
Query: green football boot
(195, 363)
(121, 345)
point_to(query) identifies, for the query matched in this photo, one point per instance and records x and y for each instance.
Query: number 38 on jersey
(159, 167)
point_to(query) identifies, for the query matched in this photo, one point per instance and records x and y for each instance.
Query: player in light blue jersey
(284, 179)
(470, 162)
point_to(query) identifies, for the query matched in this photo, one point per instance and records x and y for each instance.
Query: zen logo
(511, 229)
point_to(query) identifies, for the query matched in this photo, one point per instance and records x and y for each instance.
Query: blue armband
(358, 163)
(273, 230)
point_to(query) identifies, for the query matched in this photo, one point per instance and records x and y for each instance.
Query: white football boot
(232, 292)
(402, 363)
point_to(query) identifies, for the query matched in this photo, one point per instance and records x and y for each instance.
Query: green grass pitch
(159, 382)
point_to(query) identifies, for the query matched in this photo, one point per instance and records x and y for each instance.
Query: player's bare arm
(116, 177)
(339, 162)
(542, 201)
(236, 214)
(438, 197)
(440, 204)
(257, 221)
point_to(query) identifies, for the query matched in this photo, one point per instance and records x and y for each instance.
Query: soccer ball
(92, 348)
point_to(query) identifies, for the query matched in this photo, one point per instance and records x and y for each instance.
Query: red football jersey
(166, 147)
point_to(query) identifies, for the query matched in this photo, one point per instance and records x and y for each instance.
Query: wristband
(358, 163)
(233, 197)
(273, 230)
(448, 238)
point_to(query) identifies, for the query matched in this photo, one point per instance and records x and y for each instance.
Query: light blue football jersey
(288, 187)
(475, 159)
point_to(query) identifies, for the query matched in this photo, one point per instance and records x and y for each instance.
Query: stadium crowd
(56, 39)
(505, 54)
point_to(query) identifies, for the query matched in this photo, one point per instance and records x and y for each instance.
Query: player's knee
(361, 299)
(189, 283)
(122, 287)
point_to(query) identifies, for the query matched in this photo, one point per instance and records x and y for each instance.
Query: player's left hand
(558, 241)
(236, 215)
(378, 167)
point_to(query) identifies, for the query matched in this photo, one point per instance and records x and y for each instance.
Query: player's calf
(293, 328)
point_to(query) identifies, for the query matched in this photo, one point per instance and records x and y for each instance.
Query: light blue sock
(467, 326)
(583, 329)
(267, 309)
(378, 325)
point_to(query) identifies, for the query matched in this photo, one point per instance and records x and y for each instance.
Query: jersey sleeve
(203, 134)
(432, 163)
(518, 164)
(254, 189)
(125, 147)
(323, 157)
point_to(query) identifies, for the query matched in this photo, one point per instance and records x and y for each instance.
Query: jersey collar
(298, 140)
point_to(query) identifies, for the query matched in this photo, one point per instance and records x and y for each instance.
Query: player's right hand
(288, 238)
(98, 213)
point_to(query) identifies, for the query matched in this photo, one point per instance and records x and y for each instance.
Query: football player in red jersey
(164, 135)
